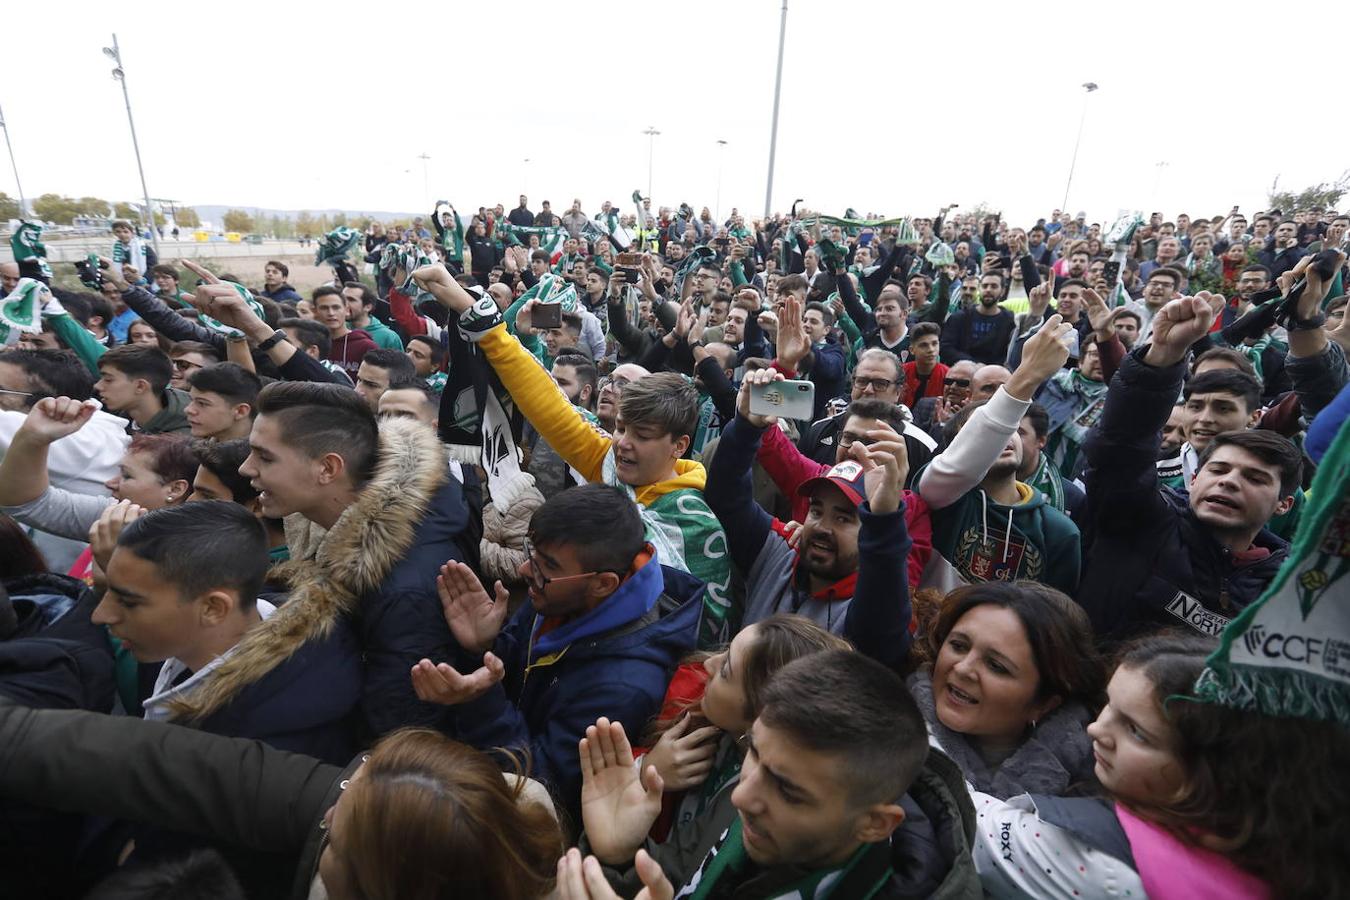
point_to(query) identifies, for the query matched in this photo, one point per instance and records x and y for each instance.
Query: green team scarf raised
(852, 225)
(335, 245)
(1288, 654)
(21, 311)
(217, 325)
(26, 244)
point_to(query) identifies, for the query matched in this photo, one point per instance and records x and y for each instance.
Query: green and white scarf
(863, 876)
(132, 254)
(1048, 481)
(25, 242)
(852, 224)
(1067, 440)
(21, 311)
(335, 245)
(217, 325)
(1253, 352)
(1286, 654)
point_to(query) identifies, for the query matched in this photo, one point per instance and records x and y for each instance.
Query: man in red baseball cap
(847, 569)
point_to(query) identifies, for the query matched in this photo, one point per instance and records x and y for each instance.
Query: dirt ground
(304, 277)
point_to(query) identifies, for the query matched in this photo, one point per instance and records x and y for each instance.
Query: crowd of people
(651, 553)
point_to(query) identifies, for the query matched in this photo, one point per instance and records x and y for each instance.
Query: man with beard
(1001, 529)
(575, 376)
(980, 332)
(846, 549)
(931, 413)
(1159, 557)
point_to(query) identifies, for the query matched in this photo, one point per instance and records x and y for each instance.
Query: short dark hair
(927, 281)
(1272, 449)
(437, 349)
(1075, 282)
(164, 269)
(1126, 312)
(826, 313)
(201, 875)
(201, 347)
(881, 410)
(1228, 354)
(367, 295)
(395, 362)
(666, 400)
(539, 256)
(320, 418)
(789, 284)
(98, 306)
(582, 365)
(1040, 419)
(1171, 272)
(843, 703)
(51, 373)
(170, 455)
(1256, 267)
(223, 459)
(309, 333)
(600, 522)
(280, 266)
(326, 290)
(1226, 381)
(230, 380)
(140, 361)
(923, 330)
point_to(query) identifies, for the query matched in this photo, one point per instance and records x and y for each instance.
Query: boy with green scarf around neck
(826, 806)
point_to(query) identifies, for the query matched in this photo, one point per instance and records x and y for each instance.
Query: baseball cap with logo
(846, 475)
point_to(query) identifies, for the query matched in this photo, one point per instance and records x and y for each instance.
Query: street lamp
(426, 191)
(777, 92)
(115, 54)
(651, 134)
(1088, 87)
(721, 154)
(23, 205)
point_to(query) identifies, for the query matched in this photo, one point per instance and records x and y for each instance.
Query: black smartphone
(546, 315)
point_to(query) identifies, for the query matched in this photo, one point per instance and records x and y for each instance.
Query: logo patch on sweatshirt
(1005, 558)
(1193, 613)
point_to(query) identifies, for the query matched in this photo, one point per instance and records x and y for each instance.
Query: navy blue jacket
(614, 661)
(402, 622)
(828, 372)
(307, 704)
(1150, 562)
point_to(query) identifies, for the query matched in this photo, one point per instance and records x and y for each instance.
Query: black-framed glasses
(956, 382)
(538, 580)
(862, 383)
(848, 439)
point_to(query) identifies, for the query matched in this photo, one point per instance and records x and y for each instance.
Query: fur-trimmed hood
(330, 572)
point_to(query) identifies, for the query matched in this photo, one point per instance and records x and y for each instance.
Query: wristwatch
(277, 337)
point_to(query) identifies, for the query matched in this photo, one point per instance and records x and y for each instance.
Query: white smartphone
(785, 399)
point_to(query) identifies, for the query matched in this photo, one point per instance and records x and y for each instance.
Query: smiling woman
(1012, 686)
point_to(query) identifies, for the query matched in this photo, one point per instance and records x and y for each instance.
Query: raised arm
(978, 444)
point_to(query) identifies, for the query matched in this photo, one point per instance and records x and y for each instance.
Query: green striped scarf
(217, 325)
(906, 235)
(25, 242)
(1285, 655)
(452, 237)
(21, 311)
(335, 245)
(1048, 481)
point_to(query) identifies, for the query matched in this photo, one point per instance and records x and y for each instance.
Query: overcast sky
(887, 106)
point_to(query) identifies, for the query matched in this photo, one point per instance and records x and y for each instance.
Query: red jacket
(916, 390)
(348, 350)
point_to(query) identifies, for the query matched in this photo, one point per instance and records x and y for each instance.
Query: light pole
(777, 92)
(23, 205)
(721, 155)
(651, 134)
(1088, 87)
(115, 54)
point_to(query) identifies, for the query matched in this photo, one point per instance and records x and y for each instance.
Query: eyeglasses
(848, 439)
(862, 383)
(538, 580)
(616, 383)
(958, 382)
(18, 393)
